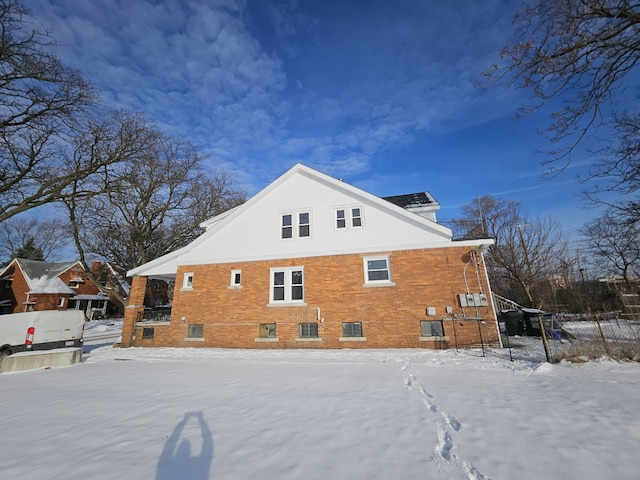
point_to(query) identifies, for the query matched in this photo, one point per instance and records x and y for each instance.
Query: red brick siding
(390, 315)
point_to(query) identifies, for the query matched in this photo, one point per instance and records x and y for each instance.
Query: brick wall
(334, 292)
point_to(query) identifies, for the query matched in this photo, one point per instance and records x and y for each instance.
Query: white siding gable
(255, 232)
(252, 231)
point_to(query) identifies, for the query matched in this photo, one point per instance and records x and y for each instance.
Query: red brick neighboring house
(312, 262)
(28, 285)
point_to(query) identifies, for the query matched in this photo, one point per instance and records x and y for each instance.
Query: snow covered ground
(309, 414)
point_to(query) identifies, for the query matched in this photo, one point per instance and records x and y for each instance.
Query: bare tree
(614, 238)
(528, 251)
(580, 52)
(155, 199)
(49, 235)
(43, 102)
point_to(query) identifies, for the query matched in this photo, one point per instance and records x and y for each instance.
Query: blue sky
(378, 93)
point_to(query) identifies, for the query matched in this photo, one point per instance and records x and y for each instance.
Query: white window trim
(232, 282)
(377, 283)
(295, 224)
(287, 287)
(348, 217)
(187, 282)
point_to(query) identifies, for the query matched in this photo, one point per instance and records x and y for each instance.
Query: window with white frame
(287, 285)
(236, 278)
(61, 302)
(308, 330)
(352, 329)
(298, 223)
(348, 217)
(432, 328)
(356, 217)
(377, 270)
(341, 220)
(187, 281)
(304, 227)
(286, 224)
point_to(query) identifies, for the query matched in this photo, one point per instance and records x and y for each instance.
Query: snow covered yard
(296, 414)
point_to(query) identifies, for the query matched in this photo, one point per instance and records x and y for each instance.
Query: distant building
(33, 285)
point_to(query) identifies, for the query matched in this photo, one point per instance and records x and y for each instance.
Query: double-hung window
(286, 222)
(296, 225)
(287, 285)
(377, 271)
(356, 217)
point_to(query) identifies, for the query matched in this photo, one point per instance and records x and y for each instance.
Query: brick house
(34, 285)
(312, 262)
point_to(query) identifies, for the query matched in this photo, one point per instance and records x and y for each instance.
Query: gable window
(348, 217)
(303, 224)
(308, 330)
(236, 278)
(196, 331)
(377, 270)
(298, 223)
(356, 217)
(287, 285)
(432, 328)
(341, 221)
(287, 226)
(187, 281)
(352, 329)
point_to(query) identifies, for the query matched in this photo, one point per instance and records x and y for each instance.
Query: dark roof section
(38, 269)
(412, 200)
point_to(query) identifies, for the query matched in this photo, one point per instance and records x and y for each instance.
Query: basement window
(147, 333)
(432, 328)
(196, 331)
(308, 330)
(352, 329)
(267, 330)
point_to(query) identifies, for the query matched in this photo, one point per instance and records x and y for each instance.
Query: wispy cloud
(260, 87)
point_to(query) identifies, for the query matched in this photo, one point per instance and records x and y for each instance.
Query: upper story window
(341, 221)
(303, 224)
(348, 217)
(356, 217)
(287, 285)
(287, 226)
(377, 271)
(300, 223)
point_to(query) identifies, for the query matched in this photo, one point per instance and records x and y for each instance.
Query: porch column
(134, 310)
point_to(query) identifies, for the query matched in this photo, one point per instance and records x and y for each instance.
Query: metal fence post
(544, 338)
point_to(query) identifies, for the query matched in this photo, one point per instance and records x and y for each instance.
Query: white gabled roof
(257, 216)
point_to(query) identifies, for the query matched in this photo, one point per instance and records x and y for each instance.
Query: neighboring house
(313, 262)
(28, 285)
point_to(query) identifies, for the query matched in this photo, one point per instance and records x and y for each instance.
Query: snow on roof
(42, 277)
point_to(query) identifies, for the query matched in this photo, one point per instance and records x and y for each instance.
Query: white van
(42, 330)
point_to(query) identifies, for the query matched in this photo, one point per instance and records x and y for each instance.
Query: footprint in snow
(451, 421)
